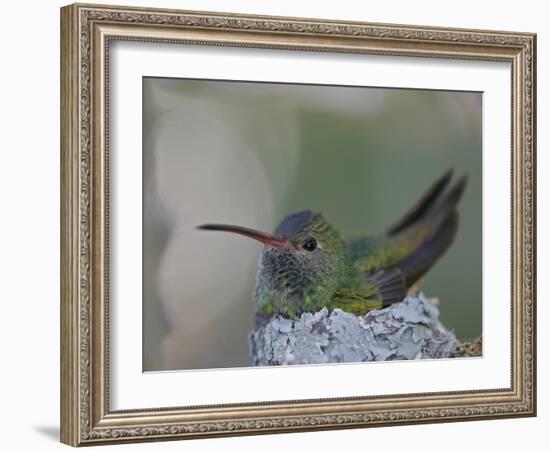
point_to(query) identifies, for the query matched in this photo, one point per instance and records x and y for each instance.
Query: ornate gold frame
(86, 31)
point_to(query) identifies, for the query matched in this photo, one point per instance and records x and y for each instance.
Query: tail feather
(422, 207)
(422, 259)
(436, 212)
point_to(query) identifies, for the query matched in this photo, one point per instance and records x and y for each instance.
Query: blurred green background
(251, 153)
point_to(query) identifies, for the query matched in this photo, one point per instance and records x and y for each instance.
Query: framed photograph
(276, 224)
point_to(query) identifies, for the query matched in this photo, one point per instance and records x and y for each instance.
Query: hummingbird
(306, 265)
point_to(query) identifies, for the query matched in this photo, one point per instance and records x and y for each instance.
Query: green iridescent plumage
(306, 265)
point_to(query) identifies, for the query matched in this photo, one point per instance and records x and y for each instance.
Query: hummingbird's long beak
(264, 238)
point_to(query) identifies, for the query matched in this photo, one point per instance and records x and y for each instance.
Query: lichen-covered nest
(407, 330)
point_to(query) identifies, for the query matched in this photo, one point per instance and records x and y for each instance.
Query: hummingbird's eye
(309, 244)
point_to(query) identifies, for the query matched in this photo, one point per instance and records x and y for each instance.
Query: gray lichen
(406, 330)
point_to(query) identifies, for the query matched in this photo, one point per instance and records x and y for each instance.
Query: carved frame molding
(86, 32)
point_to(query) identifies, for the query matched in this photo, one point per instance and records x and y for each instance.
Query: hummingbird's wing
(432, 233)
(391, 285)
(374, 291)
(412, 246)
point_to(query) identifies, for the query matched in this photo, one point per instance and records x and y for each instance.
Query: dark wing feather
(391, 284)
(377, 290)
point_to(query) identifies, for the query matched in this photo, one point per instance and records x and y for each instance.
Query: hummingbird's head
(300, 262)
